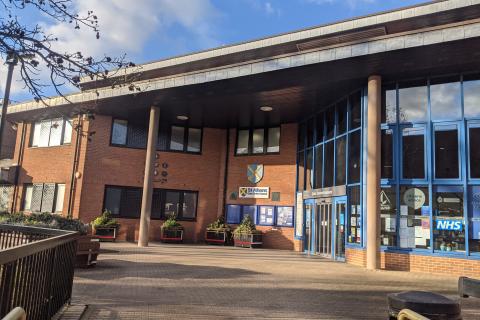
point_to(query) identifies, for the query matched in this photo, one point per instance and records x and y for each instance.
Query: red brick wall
(419, 263)
(279, 175)
(108, 165)
(44, 165)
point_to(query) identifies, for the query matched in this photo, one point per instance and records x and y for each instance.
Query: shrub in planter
(246, 235)
(171, 231)
(218, 232)
(105, 227)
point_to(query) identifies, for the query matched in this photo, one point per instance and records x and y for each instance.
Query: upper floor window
(258, 141)
(44, 197)
(175, 138)
(52, 132)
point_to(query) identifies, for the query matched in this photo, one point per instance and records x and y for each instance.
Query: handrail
(407, 314)
(14, 253)
(16, 314)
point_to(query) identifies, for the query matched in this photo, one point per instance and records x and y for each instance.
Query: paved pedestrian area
(209, 282)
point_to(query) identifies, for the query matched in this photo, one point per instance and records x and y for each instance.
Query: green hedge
(44, 220)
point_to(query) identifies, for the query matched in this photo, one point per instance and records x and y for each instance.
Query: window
(413, 102)
(250, 211)
(387, 154)
(446, 101)
(389, 105)
(446, 152)
(354, 157)
(388, 216)
(310, 132)
(194, 140)
(177, 138)
(414, 228)
(233, 213)
(342, 117)
(330, 122)
(119, 132)
(354, 232)
(318, 174)
(328, 164)
(471, 97)
(128, 134)
(309, 170)
(301, 171)
(44, 197)
(448, 222)
(340, 159)
(474, 219)
(242, 141)
(52, 132)
(126, 202)
(273, 140)
(413, 153)
(474, 150)
(260, 141)
(355, 110)
(320, 127)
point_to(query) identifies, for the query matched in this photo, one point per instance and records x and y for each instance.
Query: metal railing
(36, 269)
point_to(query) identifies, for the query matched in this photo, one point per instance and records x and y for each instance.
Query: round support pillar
(373, 170)
(148, 178)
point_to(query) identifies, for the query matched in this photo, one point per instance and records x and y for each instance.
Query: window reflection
(413, 103)
(355, 110)
(328, 170)
(354, 157)
(387, 154)
(474, 143)
(318, 166)
(389, 105)
(309, 170)
(340, 161)
(413, 149)
(445, 101)
(342, 117)
(330, 122)
(471, 98)
(474, 217)
(446, 152)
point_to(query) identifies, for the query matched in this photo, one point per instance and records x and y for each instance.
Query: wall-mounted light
(183, 118)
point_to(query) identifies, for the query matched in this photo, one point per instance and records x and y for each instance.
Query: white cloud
(128, 26)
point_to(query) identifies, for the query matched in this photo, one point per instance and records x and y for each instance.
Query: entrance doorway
(325, 227)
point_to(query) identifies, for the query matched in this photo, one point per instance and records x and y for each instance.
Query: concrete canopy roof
(464, 27)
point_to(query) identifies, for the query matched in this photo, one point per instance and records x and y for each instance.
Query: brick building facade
(343, 130)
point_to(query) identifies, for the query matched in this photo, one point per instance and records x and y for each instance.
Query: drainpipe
(19, 166)
(78, 130)
(225, 177)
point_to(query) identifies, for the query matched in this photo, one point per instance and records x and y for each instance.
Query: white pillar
(148, 178)
(373, 170)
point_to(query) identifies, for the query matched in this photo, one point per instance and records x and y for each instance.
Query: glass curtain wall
(329, 154)
(430, 195)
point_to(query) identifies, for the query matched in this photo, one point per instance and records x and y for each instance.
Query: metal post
(373, 170)
(148, 178)
(11, 61)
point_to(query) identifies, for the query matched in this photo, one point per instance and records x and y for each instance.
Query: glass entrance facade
(430, 164)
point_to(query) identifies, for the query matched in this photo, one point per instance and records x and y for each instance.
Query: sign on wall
(414, 198)
(255, 173)
(451, 225)
(254, 192)
(299, 215)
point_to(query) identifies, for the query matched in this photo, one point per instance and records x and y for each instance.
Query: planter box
(218, 237)
(252, 240)
(105, 233)
(171, 235)
(88, 249)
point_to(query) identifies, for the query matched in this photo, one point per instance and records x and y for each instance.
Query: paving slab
(211, 282)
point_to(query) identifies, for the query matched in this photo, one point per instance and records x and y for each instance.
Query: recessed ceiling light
(182, 117)
(266, 108)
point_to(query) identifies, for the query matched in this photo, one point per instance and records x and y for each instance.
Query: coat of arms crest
(255, 173)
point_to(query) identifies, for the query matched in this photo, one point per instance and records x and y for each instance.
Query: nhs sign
(453, 225)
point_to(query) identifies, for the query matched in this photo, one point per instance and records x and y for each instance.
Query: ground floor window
(474, 219)
(354, 231)
(126, 202)
(448, 221)
(44, 197)
(388, 216)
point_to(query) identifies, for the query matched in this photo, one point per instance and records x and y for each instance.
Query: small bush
(246, 227)
(218, 225)
(171, 223)
(44, 220)
(105, 220)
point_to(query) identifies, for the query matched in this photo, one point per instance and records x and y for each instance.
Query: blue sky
(148, 30)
